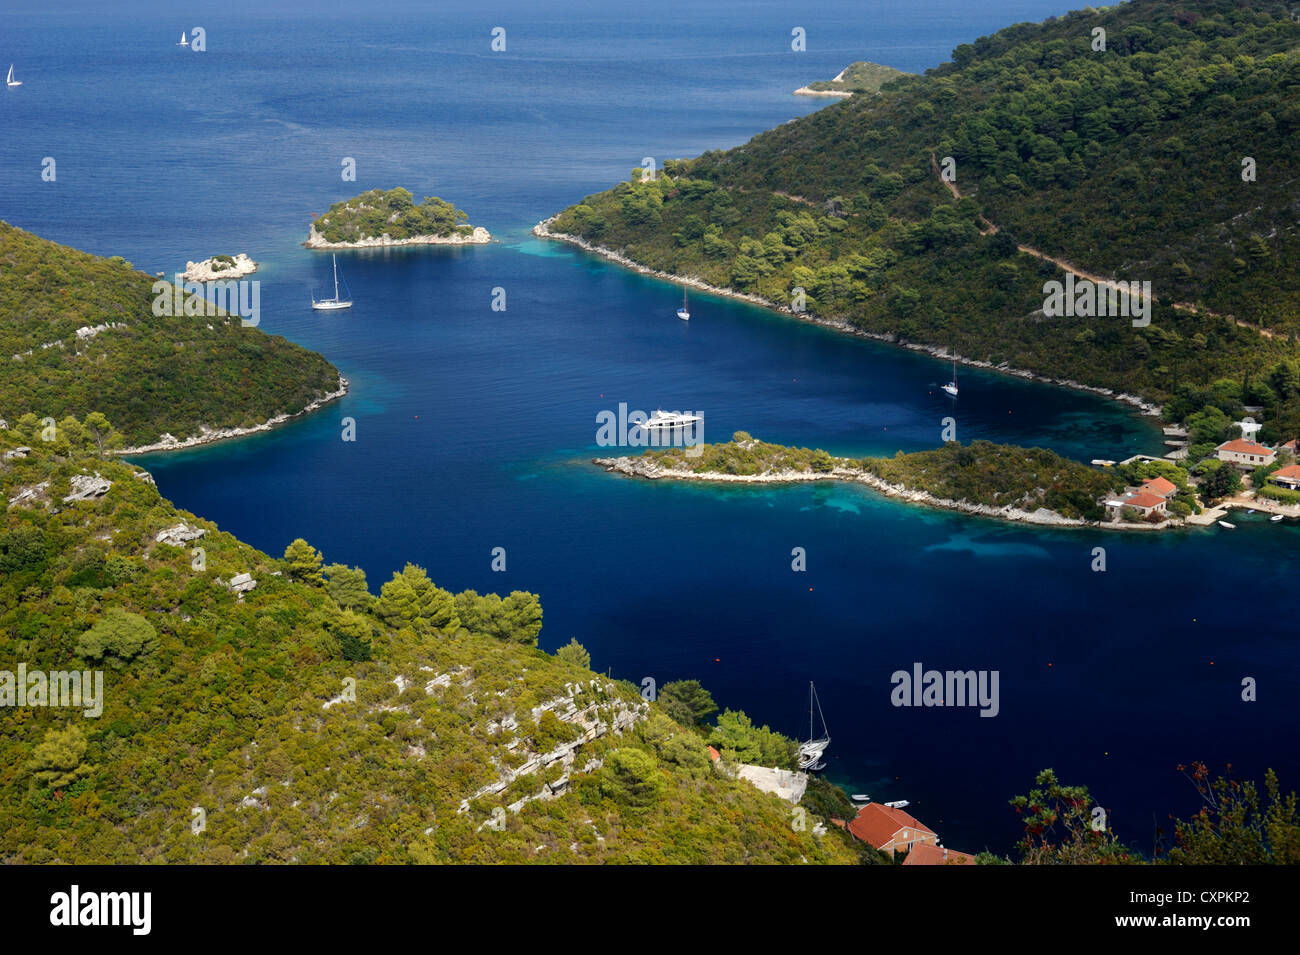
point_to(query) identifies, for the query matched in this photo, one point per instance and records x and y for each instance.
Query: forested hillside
(307, 719)
(149, 374)
(1124, 161)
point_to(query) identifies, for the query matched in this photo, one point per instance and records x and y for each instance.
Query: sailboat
(951, 387)
(9, 80)
(184, 42)
(330, 304)
(810, 753)
(683, 313)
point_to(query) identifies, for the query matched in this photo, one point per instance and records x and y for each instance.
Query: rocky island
(219, 267)
(379, 218)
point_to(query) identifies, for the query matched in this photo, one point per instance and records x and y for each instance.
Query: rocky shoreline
(809, 91)
(480, 236)
(542, 230)
(168, 442)
(642, 467)
(206, 271)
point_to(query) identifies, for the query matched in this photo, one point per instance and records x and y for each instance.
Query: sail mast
(336, 278)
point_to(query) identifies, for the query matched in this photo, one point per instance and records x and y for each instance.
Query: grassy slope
(1124, 163)
(231, 702)
(152, 376)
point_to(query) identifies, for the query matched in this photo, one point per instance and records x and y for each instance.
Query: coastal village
(1240, 473)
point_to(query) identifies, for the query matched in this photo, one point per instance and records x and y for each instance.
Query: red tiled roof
(1144, 499)
(927, 854)
(1159, 485)
(1291, 471)
(877, 824)
(1241, 446)
(714, 754)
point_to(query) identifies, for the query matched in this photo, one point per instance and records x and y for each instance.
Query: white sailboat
(184, 42)
(9, 80)
(810, 752)
(331, 304)
(951, 387)
(683, 313)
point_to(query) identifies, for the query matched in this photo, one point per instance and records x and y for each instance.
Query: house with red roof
(1245, 454)
(1160, 487)
(892, 830)
(1288, 477)
(927, 854)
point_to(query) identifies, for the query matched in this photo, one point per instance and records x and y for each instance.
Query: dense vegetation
(860, 77)
(217, 702)
(1124, 162)
(393, 213)
(149, 374)
(995, 475)
(1236, 825)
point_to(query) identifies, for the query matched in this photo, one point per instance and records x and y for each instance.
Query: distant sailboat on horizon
(332, 304)
(184, 42)
(9, 80)
(684, 313)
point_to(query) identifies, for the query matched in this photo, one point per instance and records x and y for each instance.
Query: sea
(475, 427)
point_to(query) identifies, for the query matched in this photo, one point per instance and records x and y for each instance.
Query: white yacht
(331, 304)
(184, 42)
(684, 313)
(668, 420)
(9, 80)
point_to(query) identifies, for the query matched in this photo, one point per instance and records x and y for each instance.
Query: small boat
(1251, 511)
(951, 387)
(859, 797)
(331, 304)
(1275, 518)
(683, 313)
(9, 80)
(810, 753)
(1231, 527)
(668, 420)
(184, 42)
(898, 804)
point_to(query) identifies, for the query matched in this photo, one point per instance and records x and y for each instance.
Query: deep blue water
(475, 427)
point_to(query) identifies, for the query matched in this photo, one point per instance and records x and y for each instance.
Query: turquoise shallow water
(475, 427)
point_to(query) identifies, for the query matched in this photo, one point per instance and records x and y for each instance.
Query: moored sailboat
(811, 751)
(684, 313)
(9, 80)
(951, 387)
(331, 304)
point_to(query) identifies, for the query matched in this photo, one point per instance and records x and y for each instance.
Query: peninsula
(994, 480)
(860, 77)
(379, 218)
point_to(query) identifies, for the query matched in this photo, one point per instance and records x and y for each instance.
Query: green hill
(149, 374)
(1124, 162)
(307, 720)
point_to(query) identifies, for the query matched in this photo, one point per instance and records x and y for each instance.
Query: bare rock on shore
(216, 269)
(480, 236)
